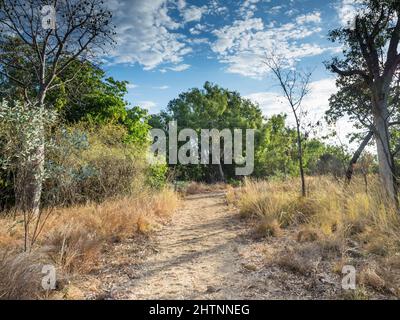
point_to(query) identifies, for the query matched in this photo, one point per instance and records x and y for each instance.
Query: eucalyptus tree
(370, 62)
(39, 40)
(210, 107)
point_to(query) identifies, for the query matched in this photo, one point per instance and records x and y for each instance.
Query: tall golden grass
(198, 188)
(342, 224)
(331, 209)
(73, 238)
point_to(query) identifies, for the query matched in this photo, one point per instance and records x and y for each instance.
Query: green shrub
(93, 163)
(156, 175)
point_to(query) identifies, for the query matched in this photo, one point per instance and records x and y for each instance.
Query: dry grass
(20, 275)
(268, 228)
(73, 238)
(347, 224)
(369, 277)
(293, 263)
(330, 210)
(198, 188)
(275, 200)
(308, 234)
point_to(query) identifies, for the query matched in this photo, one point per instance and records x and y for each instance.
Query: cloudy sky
(166, 47)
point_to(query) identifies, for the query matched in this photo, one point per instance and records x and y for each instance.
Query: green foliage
(211, 107)
(93, 163)
(332, 162)
(20, 125)
(277, 153)
(92, 98)
(157, 176)
(20, 134)
(84, 162)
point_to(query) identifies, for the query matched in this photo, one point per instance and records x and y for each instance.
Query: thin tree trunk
(365, 175)
(29, 178)
(221, 172)
(382, 138)
(300, 154)
(356, 156)
(31, 171)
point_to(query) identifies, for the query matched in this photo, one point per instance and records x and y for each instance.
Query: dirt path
(206, 252)
(196, 256)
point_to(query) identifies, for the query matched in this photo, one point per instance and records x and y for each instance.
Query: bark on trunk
(356, 156)
(221, 172)
(382, 138)
(300, 154)
(31, 169)
(29, 179)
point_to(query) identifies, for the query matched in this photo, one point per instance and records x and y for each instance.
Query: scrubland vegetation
(344, 225)
(99, 190)
(76, 180)
(73, 240)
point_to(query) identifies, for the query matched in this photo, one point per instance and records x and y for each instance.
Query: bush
(84, 162)
(20, 135)
(157, 175)
(93, 164)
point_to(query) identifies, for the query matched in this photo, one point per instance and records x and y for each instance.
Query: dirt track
(195, 257)
(207, 252)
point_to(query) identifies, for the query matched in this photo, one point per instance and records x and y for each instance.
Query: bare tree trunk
(365, 175)
(300, 154)
(382, 138)
(29, 181)
(356, 156)
(31, 170)
(29, 178)
(221, 172)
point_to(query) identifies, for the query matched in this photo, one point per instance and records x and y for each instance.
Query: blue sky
(166, 47)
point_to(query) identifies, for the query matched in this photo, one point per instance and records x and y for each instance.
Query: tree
(33, 54)
(277, 150)
(211, 107)
(92, 97)
(295, 86)
(371, 60)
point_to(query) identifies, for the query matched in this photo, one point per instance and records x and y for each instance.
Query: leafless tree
(295, 86)
(36, 48)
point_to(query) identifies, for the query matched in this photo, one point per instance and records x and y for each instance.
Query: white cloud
(181, 4)
(149, 105)
(248, 8)
(179, 68)
(270, 103)
(131, 86)
(314, 17)
(161, 87)
(199, 41)
(275, 10)
(198, 29)
(316, 103)
(193, 13)
(347, 10)
(146, 34)
(244, 44)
